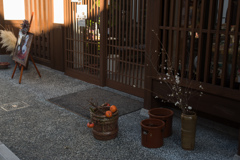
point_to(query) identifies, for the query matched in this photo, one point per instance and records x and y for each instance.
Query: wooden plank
(226, 46)
(176, 66)
(214, 104)
(143, 37)
(192, 47)
(235, 49)
(239, 143)
(123, 32)
(200, 42)
(119, 39)
(212, 10)
(134, 45)
(185, 33)
(127, 42)
(171, 39)
(103, 42)
(217, 43)
(138, 67)
(130, 42)
(164, 42)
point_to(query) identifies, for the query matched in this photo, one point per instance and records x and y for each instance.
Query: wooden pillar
(239, 143)
(103, 42)
(152, 44)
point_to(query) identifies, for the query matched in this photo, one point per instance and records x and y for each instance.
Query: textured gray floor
(42, 130)
(78, 102)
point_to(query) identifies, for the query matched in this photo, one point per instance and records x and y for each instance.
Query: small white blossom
(134, 85)
(156, 96)
(201, 87)
(164, 79)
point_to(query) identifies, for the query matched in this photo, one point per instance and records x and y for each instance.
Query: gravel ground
(42, 130)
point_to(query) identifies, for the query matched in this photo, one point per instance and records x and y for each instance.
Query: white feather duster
(8, 40)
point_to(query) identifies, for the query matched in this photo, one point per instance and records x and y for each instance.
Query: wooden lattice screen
(126, 42)
(202, 39)
(82, 44)
(110, 49)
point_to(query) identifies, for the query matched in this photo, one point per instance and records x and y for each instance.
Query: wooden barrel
(104, 128)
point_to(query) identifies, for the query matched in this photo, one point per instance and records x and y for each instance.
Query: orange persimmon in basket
(113, 108)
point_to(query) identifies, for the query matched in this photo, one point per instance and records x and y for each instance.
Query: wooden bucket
(104, 128)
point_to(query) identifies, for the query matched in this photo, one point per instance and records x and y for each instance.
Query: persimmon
(113, 108)
(90, 124)
(107, 104)
(108, 114)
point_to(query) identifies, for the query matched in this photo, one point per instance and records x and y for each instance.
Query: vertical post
(152, 44)
(1, 20)
(103, 42)
(239, 143)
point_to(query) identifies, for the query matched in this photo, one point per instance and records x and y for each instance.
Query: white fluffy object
(8, 40)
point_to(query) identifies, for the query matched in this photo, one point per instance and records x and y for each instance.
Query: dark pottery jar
(165, 115)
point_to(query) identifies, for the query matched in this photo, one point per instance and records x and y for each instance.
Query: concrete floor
(37, 129)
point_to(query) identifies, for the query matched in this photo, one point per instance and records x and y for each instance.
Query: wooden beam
(239, 143)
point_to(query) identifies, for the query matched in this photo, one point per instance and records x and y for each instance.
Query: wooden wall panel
(41, 28)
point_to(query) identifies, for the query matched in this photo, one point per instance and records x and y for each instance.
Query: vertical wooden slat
(185, 33)
(176, 66)
(94, 36)
(127, 42)
(142, 42)
(115, 41)
(119, 39)
(235, 48)
(48, 28)
(123, 20)
(130, 42)
(43, 29)
(191, 55)
(239, 143)
(212, 10)
(35, 26)
(134, 43)
(138, 67)
(217, 43)
(171, 22)
(113, 35)
(164, 41)
(200, 42)
(226, 46)
(109, 35)
(66, 6)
